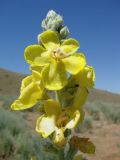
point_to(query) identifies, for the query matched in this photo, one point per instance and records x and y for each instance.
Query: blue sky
(94, 23)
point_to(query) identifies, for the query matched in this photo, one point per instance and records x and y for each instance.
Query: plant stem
(61, 154)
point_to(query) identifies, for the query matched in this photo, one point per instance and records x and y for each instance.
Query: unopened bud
(64, 32)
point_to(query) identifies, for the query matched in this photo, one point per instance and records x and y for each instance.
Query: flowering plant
(57, 66)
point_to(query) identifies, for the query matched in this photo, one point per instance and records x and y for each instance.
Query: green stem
(71, 153)
(61, 154)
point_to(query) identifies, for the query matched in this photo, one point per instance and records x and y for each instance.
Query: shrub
(93, 110)
(18, 141)
(6, 101)
(85, 125)
(111, 112)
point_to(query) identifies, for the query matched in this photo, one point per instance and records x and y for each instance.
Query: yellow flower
(55, 121)
(85, 78)
(31, 91)
(57, 58)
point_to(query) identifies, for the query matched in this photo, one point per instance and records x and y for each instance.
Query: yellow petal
(52, 107)
(36, 73)
(44, 59)
(49, 39)
(25, 82)
(54, 76)
(35, 68)
(74, 119)
(80, 98)
(74, 64)
(33, 54)
(30, 94)
(58, 137)
(45, 126)
(70, 46)
(86, 77)
(36, 76)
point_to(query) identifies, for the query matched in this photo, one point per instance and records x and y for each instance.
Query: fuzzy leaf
(83, 144)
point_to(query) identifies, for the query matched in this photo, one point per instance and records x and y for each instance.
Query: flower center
(59, 54)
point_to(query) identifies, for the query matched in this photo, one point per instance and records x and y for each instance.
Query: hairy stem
(61, 154)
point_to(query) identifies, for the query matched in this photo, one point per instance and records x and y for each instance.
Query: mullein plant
(57, 66)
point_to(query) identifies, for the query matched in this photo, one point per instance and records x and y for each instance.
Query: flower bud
(64, 32)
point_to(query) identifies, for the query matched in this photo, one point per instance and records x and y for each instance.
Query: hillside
(101, 124)
(105, 96)
(10, 84)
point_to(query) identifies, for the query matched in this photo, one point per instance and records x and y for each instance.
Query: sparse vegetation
(111, 112)
(99, 111)
(6, 101)
(17, 140)
(85, 126)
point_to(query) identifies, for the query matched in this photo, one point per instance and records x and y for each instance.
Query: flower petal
(45, 126)
(36, 68)
(33, 54)
(86, 77)
(52, 107)
(73, 120)
(70, 46)
(58, 137)
(30, 94)
(54, 76)
(25, 82)
(74, 64)
(49, 39)
(80, 98)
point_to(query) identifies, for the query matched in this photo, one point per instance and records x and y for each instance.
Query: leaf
(67, 94)
(83, 144)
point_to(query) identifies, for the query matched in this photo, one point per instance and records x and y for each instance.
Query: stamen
(59, 54)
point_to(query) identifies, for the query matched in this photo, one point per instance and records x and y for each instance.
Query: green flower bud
(51, 14)
(64, 32)
(54, 21)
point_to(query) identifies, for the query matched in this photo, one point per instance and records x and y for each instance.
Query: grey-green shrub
(93, 110)
(111, 112)
(86, 125)
(18, 141)
(6, 101)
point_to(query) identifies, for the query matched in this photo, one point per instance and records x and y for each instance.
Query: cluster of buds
(54, 21)
(56, 66)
